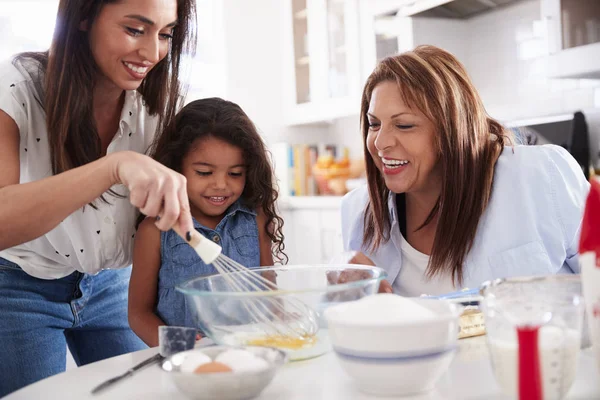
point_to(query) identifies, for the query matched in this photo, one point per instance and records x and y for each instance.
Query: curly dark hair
(224, 120)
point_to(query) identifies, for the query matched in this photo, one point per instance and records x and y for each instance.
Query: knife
(152, 360)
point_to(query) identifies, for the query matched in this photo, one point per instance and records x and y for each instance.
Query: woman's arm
(143, 286)
(571, 190)
(30, 210)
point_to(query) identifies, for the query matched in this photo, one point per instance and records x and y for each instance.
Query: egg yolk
(281, 341)
(212, 367)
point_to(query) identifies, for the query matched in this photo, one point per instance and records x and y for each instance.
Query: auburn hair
(469, 143)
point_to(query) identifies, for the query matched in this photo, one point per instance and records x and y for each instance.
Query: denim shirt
(237, 234)
(531, 225)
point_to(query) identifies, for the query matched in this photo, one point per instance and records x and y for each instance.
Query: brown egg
(212, 367)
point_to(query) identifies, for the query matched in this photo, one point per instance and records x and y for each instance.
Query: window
(206, 73)
(22, 30)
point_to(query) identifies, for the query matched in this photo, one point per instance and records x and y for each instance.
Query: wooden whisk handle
(205, 248)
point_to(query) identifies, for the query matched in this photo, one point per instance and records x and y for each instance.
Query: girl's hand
(154, 189)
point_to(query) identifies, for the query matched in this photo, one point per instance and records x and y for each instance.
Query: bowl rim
(488, 286)
(268, 293)
(455, 311)
(284, 360)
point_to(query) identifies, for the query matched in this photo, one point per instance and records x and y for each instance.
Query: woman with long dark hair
(75, 122)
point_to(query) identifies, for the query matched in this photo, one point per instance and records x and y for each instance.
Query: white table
(470, 377)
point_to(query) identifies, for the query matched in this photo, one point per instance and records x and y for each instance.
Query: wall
(504, 52)
(506, 60)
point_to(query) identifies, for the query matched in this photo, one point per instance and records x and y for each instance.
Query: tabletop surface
(469, 377)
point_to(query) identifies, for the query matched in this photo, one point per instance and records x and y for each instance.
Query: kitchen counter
(470, 377)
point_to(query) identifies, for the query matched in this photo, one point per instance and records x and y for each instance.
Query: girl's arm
(30, 210)
(266, 254)
(143, 286)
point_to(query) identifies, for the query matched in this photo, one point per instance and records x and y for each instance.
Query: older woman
(450, 202)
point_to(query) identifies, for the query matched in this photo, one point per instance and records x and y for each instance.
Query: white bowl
(224, 385)
(394, 357)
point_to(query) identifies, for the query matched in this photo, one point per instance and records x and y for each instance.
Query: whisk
(292, 320)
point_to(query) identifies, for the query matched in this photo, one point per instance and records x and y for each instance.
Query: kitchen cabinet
(390, 32)
(321, 60)
(331, 46)
(456, 9)
(573, 37)
(312, 229)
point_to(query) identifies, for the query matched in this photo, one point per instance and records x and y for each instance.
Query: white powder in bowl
(385, 308)
(193, 361)
(241, 360)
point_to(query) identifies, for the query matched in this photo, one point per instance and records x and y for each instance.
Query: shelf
(575, 63)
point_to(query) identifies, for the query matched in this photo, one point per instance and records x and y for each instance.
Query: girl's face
(216, 175)
(129, 37)
(401, 141)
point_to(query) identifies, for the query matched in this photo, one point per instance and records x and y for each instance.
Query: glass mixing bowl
(289, 318)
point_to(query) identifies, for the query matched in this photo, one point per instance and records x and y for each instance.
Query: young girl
(232, 198)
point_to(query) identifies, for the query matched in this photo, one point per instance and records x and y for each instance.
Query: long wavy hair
(224, 120)
(468, 142)
(65, 76)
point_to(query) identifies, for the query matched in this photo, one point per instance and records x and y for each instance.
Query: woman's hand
(385, 287)
(153, 188)
(350, 275)
(360, 258)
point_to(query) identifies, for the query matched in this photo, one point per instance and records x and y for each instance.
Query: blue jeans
(39, 318)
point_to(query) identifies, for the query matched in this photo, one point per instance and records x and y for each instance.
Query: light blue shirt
(531, 225)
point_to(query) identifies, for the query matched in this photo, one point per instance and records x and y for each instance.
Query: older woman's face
(401, 141)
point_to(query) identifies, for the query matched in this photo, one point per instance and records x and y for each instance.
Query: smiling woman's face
(129, 37)
(402, 142)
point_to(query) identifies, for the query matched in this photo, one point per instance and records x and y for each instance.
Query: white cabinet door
(388, 34)
(306, 243)
(550, 12)
(331, 234)
(571, 23)
(322, 69)
(573, 38)
(312, 236)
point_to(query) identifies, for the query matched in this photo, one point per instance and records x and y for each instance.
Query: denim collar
(233, 209)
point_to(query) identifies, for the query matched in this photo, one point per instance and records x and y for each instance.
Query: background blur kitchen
(297, 68)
